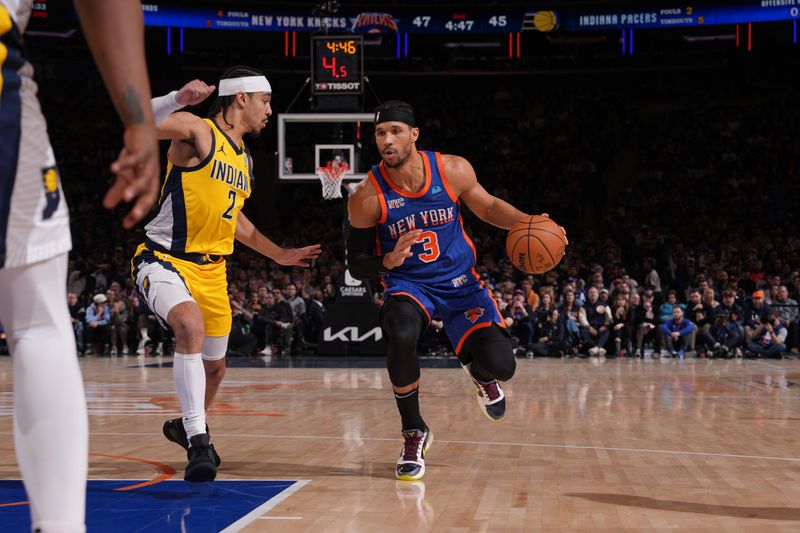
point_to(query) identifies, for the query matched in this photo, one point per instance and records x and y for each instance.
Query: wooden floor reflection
(623, 445)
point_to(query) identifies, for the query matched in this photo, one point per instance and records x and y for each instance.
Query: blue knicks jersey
(444, 255)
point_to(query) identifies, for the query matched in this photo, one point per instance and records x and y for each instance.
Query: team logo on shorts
(51, 193)
(473, 314)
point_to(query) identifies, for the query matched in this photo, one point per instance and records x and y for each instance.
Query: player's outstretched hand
(402, 250)
(137, 173)
(298, 256)
(194, 92)
(566, 240)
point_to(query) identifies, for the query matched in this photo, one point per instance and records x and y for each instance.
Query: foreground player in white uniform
(50, 423)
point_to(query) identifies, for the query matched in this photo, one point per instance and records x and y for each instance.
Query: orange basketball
(536, 244)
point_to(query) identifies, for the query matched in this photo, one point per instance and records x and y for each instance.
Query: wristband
(164, 106)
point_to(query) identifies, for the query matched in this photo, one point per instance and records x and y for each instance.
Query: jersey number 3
(227, 214)
(430, 246)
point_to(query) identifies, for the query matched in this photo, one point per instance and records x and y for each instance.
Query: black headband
(395, 115)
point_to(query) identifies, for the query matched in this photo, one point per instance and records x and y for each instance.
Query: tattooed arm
(114, 30)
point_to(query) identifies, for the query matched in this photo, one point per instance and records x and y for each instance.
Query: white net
(331, 179)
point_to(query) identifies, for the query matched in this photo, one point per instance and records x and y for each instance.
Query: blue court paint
(168, 506)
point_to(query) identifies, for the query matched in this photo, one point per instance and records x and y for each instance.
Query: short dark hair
(395, 105)
(222, 103)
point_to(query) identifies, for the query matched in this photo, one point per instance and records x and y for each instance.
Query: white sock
(190, 382)
(143, 333)
(50, 422)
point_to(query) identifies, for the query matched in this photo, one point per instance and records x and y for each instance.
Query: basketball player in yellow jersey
(180, 268)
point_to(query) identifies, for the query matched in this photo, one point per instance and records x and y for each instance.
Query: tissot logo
(351, 334)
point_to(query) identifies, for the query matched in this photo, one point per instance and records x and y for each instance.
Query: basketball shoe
(411, 464)
(201, 465)
(491, 398)
(174, 431)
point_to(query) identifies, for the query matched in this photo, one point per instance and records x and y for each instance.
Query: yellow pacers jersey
(199, 205)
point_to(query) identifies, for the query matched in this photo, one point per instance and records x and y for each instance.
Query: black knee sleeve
(491, 352)
(403, 322)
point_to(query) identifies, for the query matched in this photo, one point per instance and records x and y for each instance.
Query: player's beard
(400, 162)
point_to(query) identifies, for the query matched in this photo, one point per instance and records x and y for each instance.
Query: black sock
(408, 405)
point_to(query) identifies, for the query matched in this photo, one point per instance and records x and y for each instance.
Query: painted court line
(263, 508)
(484, 443)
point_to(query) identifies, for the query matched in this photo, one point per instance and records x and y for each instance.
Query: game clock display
(337, 65)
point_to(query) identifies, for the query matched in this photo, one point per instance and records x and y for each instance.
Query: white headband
(248, 84)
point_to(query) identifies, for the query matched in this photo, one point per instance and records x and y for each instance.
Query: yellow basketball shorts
(206, 283)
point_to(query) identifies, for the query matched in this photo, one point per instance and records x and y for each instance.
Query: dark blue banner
(54, 14)
(680, 15)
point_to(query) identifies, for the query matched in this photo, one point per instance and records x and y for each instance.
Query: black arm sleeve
(362, 260)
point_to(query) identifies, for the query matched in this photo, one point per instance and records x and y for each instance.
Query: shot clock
(337, 64)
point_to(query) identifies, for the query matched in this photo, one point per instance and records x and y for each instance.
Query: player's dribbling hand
(137, 173)
(402, 250)
(566, 240)
(194, 92)
(298, 256)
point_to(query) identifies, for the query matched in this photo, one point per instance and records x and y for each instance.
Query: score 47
(340, 72)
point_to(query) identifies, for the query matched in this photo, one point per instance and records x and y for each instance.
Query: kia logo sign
(351, 334)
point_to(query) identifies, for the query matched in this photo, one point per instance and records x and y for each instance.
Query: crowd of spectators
(678, 208)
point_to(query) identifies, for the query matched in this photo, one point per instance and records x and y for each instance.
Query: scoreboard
(337, 64)
(252, 16)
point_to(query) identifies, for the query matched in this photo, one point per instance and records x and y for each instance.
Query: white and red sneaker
(491, 398)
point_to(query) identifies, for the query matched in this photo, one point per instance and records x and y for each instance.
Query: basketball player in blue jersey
(50, 422)
(406, 226)
(180, 268)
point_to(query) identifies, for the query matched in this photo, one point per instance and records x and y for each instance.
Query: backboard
(307, 141)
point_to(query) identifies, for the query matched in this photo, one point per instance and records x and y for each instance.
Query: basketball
(535, 245)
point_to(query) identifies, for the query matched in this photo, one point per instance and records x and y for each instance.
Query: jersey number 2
(430, 246)
(227, 214)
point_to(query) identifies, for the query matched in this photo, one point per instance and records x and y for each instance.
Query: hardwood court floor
(622, 445)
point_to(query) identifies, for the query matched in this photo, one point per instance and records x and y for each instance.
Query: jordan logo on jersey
(51, 194)
(473, 314)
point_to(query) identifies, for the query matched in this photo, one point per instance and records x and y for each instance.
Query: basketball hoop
(331, 179)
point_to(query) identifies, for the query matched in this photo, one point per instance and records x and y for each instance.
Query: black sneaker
(491, 398)
(174, 431)
(201, 465)
(411, 464)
